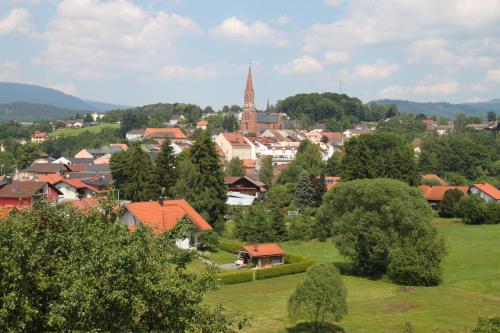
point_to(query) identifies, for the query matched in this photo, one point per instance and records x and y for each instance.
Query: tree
(88, 118)
(166, 172)
(492, 213)
(133, 175)
(64, 271)
(459, 123)
(320, 297)
(308, 158)
(201, 180)
(487, 325)
(27, 154)
(132, 120)
(255, 224)
(492, 116)
(7, 162)
(333, 165)
(384, 226)
(306, 191)
(450, 200)
(472, 209)
(266, 171)
(235, 168)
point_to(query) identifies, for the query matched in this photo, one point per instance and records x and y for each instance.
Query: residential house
(135, 134)
(334, 142)
(435, 194)
(245, 185)
(331, 181)
(162, 216)
(445, 129)
(75, 189)
(357, 130)
(96, 116)
(99, 152)
(261, 255)
(37, 169)
(487, 192)
(22, 193)
(239, 199)
(174, 134)
(39, 137)
(417, 143)
(235, 145)
(174, 120)
(202, 124)
(77, 123)
(62, 160)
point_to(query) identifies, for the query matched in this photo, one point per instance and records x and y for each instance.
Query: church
(253, 121)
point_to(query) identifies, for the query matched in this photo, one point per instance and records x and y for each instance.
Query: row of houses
(434, 194)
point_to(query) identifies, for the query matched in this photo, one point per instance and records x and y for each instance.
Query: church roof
(267, 118)
(249, 86)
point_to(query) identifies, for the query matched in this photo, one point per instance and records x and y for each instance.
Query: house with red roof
(487, 192)
(261, 255)
(174, 134)
(22, 193)
(235, 145)
(163, 215)
(435, 194)
(202, 124)
(245, 185)
(76, 188)
(433, 178)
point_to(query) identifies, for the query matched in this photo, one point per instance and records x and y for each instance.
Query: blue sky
(137, 52)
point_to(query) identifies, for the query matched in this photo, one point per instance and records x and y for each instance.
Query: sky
(136, 52)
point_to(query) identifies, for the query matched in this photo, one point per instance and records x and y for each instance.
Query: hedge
(232, 247)
(280, 270)
(293, 258)
(246, 275)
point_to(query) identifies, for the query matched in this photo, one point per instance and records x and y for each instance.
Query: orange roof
(436, 193)
(78, 183)
(122, 146)
(235, 139)
(50, 178)
(489, 189)
(331, 181)
(178, 134)
(202, 123)
(163, 218)
(432, 176)
(333, 136)
(249, 163)
(263, 250)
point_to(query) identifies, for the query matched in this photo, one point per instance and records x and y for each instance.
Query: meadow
(77, 131)
(470, 288)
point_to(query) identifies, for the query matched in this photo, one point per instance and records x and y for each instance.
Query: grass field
(470, 288)
(78, 131)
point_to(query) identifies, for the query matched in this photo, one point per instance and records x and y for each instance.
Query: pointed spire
(249, 80)
(249, 94)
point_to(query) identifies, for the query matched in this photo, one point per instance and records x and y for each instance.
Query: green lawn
(471, 288)
(78, 131)
(221, 257)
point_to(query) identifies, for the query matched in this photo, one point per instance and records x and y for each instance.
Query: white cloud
(335, 57)
(233, 29)
(381, 69)
(96, 36)
(182, 72)
(427, 90)
(17, 20)
(282, 20)
(302, 65)
(431, 51)
(493, 75)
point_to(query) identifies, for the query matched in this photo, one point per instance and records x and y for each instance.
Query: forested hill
(30, 112)
(443, 109)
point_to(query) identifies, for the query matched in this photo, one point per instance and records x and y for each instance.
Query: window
(276, 260)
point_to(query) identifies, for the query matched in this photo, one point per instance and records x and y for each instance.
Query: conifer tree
(266, 171)
(235, 168)
(306, 191)
(165, 167)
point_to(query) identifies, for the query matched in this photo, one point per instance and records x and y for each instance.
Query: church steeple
(249, 115)
(249, 93)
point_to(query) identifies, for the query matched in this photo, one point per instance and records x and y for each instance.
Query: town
(291, 167)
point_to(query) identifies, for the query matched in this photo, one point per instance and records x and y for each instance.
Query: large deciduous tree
(450, 200)
(384, 226)
(320, 297)
(235, 168)
(64, 271)
(266, 171)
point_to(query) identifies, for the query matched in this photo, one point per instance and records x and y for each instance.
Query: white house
(487, 192)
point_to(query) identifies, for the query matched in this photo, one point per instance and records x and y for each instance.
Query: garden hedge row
(280, 270)
(237, 276)
(229, 246)
(293, 258)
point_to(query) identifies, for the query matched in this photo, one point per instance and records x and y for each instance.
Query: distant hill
(104, 107)
(443, 109)
(29, 112)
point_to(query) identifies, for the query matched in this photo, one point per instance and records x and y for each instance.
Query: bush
(294, 258)
(300, 228)
(492, 213)
(236, 276)
(487, 325)
(280, 270)
(450, 200)
(208, 240)
(228, 246)
(472, 209)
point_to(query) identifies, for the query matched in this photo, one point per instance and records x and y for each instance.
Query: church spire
(249, 93)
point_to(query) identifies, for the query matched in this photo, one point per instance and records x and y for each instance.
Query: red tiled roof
(235, 139)
(122, 146)
(50, 178)
(489, 189)
(78, 184)
(40, 135)
(232, 180)
(202, 123)
(333, 136)
(22, 189)
(432, 176)
(263, 250)
(249, 163)
(163, 218)
(175, 131)
(436, 193)
(84, 203)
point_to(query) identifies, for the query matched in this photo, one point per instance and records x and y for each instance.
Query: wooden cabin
(261, 255)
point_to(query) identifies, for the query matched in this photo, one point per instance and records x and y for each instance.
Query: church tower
(249, 115)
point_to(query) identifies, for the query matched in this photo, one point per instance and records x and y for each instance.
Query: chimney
(256, 247)
(160, 200)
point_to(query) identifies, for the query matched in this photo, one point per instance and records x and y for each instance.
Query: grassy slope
(471, 288)
(78, 131)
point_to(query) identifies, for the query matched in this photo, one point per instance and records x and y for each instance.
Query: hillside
(104, 107)
(29, 112)
(17, 92)
(443, 109)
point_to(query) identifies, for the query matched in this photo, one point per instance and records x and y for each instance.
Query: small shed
(262, 255)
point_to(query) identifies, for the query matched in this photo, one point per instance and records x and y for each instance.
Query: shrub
(294, 258)
(487, 325)
(450, 200)
(280, 270)
(236, 276)
(228, 246)
(472, 209)
(492, 213)
(208, 240)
